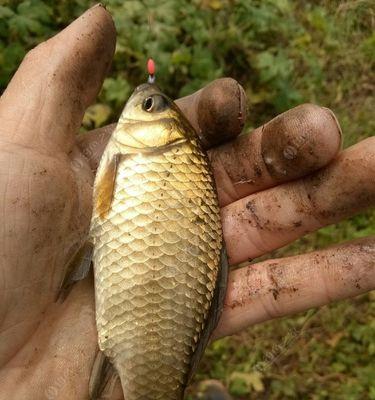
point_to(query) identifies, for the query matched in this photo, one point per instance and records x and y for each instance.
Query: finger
(275, 217)
(217, 112)
(292, 145)
(277, 288)
(93, 143)
(44, 103)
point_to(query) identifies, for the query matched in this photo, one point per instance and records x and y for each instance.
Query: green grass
(324, 354)
(284, 53)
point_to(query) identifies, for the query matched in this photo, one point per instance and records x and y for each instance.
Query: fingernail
(242, 109)
(97, 5)
(333, 116)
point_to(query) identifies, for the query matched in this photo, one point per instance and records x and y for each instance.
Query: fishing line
(150, 61)
(150, 11)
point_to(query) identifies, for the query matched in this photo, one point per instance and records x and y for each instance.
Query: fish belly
(156, 262)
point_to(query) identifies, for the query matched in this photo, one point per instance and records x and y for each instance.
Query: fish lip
(154, 149)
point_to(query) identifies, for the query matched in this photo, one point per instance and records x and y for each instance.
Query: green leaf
(5, 12)
(243, 383)
(96, 115)
(35, 10)
(116, 91)
(10, 58)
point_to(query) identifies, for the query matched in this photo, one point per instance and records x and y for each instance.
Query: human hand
(47, 349)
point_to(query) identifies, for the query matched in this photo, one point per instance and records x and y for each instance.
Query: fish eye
(155, 103)
(148, 104)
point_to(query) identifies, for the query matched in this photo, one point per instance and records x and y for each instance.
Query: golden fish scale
(156, 258)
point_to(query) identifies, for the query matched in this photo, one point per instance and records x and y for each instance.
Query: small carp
(159, 261)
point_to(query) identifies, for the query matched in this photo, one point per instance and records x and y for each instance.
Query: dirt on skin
(272, 277)
(292, 145)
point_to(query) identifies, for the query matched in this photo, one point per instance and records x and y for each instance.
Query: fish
(160, 267)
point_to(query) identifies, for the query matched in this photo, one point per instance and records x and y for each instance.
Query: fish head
(152, 120)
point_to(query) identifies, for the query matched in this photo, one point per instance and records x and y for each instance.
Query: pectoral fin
(105, 186)
(78, 268)
(103, 378)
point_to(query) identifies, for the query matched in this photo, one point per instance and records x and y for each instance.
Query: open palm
(285, 179)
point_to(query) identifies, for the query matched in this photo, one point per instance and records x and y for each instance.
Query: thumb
(44, 103)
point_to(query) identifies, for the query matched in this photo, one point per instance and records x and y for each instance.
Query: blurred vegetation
(283, 52)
